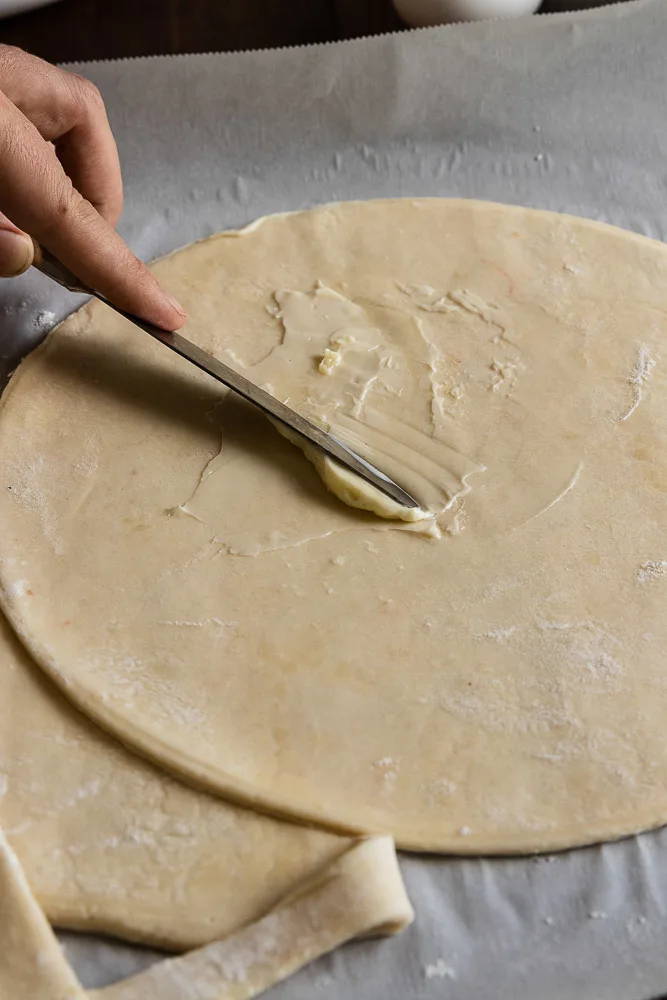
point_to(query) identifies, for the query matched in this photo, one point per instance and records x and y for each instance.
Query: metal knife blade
(49, 265)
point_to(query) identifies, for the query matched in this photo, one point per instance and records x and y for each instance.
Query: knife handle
(45, 262)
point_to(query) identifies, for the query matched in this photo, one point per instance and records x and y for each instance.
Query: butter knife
(330, 445)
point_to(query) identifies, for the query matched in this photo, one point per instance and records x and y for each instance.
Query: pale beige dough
(108, 842)
(111, 843)
(183, 574)
(361, 894)
(32, 966)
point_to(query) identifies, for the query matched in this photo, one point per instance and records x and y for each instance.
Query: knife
(330, 445)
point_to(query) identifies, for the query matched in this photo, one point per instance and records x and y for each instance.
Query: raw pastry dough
(360, 895)
(183, 574)
(32, 966)
(96, 827)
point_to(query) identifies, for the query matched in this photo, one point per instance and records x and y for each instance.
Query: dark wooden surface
(364, 17)
(74, 30)
(103, 29)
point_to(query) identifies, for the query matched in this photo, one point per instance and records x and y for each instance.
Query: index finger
(38, 196)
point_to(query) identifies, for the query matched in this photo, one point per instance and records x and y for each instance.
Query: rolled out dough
(110, 843)
(361, 894)
(490, 681)
(31, 962)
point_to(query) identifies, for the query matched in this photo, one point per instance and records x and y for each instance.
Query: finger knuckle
(10, 55)
(85, 94)
(18, 136)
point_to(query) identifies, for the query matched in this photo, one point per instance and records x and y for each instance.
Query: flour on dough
(360, 895)
(32, 964)
(491, 359)
(96, 826)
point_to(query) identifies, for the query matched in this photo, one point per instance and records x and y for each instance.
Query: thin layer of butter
(357, 492)
(471, 695)
(351, 488)
(367, 374)
(376, 372)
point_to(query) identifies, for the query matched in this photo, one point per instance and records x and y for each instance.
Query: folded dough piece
(95, 826)
(32, 965)
(360, 895)
(94, 823)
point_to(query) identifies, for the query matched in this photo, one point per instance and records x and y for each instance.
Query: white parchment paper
(566, 112)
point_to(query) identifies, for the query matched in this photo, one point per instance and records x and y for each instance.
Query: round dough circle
(104, 836)
(500, 689)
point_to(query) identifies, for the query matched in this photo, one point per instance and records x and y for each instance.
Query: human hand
(60, 181)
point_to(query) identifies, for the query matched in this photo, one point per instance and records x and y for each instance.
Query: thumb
(16, 249)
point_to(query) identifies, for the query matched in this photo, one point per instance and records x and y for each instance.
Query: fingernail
(16, 251)
(175, 303)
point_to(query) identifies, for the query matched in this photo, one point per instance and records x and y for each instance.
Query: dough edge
(219, 782)
(361, 894)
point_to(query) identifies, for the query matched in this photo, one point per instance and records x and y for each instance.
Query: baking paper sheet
(566, 112)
